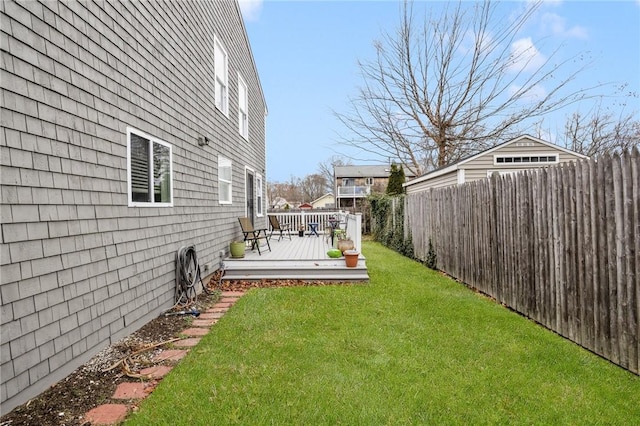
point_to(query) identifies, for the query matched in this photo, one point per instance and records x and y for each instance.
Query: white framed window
(511, 160)
(259, 198)
(243, 108)
(221, 68)
(149, 170)
(224, 180)
(368, 181)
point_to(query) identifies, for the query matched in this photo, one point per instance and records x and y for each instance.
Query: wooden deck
(303, 258)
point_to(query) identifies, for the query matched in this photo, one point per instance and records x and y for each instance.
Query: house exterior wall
(447, 179)
(379, 183)
(480, 166)
(80, 268)
(326, 201)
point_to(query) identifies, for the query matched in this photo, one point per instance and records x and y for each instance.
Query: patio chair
(336, 227)
(252, 234)
(277, 226)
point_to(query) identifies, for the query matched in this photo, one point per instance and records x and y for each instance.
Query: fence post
(358, 233)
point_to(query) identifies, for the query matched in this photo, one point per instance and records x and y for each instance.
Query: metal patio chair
(252, 234)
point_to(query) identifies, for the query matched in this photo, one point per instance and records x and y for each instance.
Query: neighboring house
(522, 153)
(279, 203)
(354, 183)
(327, 201)
(129, 129)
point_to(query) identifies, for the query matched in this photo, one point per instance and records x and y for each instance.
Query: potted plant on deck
(351, 258)
(344, 242)
(237, 248)
(301, 231)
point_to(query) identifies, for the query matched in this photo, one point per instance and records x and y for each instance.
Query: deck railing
(354, 191)
(351, 222)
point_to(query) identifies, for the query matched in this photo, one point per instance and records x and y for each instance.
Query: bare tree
(313, 186)
(600, 131)
(290, 191)
(456, 84)
(326, 170)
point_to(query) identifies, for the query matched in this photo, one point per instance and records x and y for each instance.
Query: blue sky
(307, 54)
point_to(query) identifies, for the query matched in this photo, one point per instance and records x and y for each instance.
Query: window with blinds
(149, 170)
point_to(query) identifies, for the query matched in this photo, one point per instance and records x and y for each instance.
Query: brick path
(132, 393)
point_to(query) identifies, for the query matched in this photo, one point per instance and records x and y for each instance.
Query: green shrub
(387, 223)
(431, 261)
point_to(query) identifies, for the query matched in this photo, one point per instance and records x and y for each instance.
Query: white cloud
(557, 25)
(250, 9)
(525, 57)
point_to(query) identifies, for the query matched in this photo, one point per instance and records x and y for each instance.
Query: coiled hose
(187, 276)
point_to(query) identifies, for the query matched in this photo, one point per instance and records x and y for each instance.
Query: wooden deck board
(302, 258)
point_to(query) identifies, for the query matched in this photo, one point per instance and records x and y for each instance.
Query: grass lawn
(410, 347)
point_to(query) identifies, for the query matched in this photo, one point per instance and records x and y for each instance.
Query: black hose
(187, 275)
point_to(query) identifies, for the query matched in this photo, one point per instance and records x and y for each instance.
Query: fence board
(619, 330)
(582, 241)
(573, 302)
(560, 245)
(633, 275)
(602, 299)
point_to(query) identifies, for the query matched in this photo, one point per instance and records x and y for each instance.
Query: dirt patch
(93, 384)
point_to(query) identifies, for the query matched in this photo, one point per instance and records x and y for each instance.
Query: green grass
(410, 347)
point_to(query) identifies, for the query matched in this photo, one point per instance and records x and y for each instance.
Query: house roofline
(447, 169)
(253, 60)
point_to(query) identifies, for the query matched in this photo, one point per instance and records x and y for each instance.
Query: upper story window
(243, 108)
(348, 182)
(224, 180)
(221, 67)
(259, 198)
(368, 181)
(525, 159)
(149, 170)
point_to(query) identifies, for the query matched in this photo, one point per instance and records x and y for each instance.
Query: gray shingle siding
(81, 269)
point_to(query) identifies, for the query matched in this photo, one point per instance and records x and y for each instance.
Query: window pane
(225, 191)
(221, 78)
(225, 173)
(242, 93)
(139, 169)
(161, 173)
(259, 194)
(224, 179)
(221, 94)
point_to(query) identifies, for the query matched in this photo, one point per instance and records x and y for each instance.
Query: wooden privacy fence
(560, 245)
